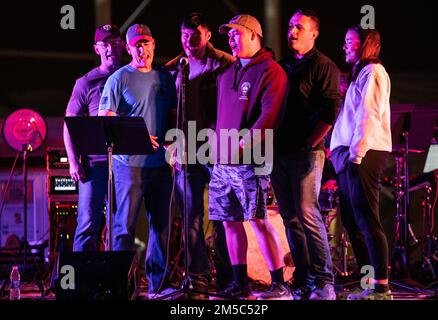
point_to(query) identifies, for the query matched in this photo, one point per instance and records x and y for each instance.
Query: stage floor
(30, 292)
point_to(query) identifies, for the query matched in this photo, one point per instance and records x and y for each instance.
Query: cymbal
(397, 151)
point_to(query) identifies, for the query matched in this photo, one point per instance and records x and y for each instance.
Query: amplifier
(108, 275)
(56, 159)
(63, 215)
(62, 185)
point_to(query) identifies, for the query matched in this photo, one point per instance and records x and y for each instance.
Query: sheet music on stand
(431, 163)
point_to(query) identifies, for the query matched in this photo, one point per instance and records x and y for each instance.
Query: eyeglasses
(106, 45)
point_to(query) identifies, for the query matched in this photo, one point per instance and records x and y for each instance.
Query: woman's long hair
(370, 48)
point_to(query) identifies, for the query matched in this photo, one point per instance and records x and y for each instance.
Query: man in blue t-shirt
(138, 89)
(92, 171)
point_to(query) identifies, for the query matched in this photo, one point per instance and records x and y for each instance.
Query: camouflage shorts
(237, 194)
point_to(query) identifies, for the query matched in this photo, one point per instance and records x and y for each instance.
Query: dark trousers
(296, 180)
(359, 187)
(198, 176)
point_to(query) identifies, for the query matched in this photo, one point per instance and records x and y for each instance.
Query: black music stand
(427, 181)
(413, 135)
(110, 136)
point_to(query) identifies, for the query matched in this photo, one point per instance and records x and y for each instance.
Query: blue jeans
(90, 220)
(197, 177)
(153, 186)
(296, 180)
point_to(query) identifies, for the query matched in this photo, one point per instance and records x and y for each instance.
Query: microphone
(183, 61)
(33, 122)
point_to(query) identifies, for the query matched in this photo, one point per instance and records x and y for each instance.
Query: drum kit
(340, 247)
(405, 239)
(341, 253)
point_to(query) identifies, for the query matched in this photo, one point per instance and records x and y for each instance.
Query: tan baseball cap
(242, 20)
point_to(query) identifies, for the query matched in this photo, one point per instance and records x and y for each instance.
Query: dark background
(32, 28)
(39, 61)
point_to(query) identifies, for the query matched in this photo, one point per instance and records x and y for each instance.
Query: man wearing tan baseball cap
(242, 20)
(251, 95)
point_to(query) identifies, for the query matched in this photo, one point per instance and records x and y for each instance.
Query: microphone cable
(172, 194)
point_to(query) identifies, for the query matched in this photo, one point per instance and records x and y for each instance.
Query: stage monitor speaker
(107, 275)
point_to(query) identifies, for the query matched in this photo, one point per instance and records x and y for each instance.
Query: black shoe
(300, 292)
(326, 292)
(234, 291)
(276, 291)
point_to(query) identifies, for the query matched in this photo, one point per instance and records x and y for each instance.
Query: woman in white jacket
(360, 144)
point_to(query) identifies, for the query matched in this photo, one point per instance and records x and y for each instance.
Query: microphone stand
(110, 196)
(187, 283)
(187, 291)
(24, 248)
(401, 254)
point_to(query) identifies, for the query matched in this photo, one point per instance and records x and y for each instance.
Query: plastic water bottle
(14, 291)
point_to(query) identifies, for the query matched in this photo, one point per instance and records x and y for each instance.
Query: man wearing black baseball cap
(91, 171)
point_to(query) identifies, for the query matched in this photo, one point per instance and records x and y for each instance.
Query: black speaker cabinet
(108, 275)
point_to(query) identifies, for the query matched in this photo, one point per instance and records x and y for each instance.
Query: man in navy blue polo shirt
(92, 171)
